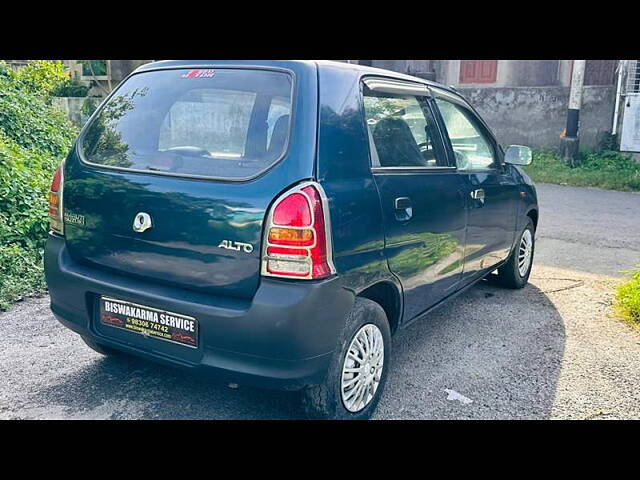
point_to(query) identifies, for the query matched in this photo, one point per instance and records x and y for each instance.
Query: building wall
(536, 116)
(419, 68)
(527, 104)
(119, 70)
(510, 73)
(72, 107)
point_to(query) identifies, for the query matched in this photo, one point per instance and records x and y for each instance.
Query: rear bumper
(284, 337)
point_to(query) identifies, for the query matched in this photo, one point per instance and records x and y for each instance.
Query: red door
(478, 71)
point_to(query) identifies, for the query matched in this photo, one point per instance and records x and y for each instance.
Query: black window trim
(397, 86)
(480, 123)
(77, 148)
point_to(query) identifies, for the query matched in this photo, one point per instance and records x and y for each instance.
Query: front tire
(358, 370)
(515, 273)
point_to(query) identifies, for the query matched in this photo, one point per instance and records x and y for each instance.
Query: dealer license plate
(148, 321)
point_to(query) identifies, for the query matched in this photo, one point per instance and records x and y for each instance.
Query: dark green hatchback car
(275, 222)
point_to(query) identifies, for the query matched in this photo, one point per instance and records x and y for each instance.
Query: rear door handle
(402, 203)
(403, 208)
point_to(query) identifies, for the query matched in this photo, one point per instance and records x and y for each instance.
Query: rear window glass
(224, 123)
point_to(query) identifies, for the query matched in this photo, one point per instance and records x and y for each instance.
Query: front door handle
(478, 195)
(403, 208)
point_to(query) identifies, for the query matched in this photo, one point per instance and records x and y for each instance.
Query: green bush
(25, 177)
(30, 121)
(21, 273)
(628, 298)
(607, 169)
(41, 77)
(89, 106)
(71, 88)
(34, 139)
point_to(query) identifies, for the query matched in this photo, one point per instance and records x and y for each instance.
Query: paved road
(549, 351)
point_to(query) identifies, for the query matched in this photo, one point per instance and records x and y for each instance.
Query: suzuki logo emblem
(142, 222)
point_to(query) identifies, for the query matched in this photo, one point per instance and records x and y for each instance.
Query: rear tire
(101, 349)
(367, 320)
(515, 273)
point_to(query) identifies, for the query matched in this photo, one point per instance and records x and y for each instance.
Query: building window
(478, 71)
(633, 76)
(99, 68)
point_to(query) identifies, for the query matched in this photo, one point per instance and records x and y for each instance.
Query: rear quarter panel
(344, 172)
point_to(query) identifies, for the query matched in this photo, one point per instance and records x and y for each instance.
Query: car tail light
(297, 235)
(55, 202)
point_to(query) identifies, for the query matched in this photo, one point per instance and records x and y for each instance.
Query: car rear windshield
(221, 123)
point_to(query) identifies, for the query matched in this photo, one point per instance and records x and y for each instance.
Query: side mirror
(518, 155)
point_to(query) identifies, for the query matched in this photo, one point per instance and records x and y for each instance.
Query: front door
(421, 194)
(490, 191)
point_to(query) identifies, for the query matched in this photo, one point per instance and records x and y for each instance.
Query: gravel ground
(551, 350)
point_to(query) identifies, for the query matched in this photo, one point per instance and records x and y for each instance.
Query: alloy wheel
(524, 252)
(362, 368)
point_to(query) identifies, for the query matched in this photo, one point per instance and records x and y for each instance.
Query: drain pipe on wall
(622, 66)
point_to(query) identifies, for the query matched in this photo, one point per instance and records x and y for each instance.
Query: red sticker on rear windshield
(207, 73)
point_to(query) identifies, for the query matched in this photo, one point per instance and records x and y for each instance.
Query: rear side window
(222, 123)
(403, 131)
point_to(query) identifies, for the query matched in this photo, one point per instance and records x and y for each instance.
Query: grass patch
(627, 304)
(607, 169)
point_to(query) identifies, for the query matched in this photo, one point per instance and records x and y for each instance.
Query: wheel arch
(388, 295)
(532, 213)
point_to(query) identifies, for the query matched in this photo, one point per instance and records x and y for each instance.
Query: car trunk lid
(173, 177)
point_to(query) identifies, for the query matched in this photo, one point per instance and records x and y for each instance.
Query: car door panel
(490, 190)
(490, 222)
(422, 197)
(425, 250)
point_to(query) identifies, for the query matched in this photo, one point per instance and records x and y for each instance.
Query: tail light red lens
(293, 211)
(296, 240)
(55, 202)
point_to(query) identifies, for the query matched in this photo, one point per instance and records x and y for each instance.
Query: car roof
(363, 69)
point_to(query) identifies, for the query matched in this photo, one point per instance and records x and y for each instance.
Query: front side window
(472, 148)
(403, 131)
(223, 123)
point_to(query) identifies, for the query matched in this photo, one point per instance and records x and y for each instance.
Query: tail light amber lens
(55, 202)
(296, 236)
(291, 236)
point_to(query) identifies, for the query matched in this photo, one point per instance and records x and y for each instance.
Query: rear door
(420, 192)
(490, 192)
(202, 152)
